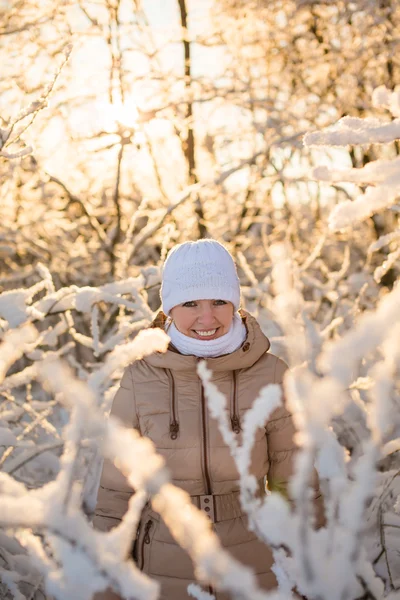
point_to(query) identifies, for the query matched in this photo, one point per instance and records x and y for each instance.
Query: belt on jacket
(219, 507)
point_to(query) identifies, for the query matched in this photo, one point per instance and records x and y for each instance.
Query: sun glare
(117, 114)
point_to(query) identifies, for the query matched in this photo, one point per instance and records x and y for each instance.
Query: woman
(162, 396)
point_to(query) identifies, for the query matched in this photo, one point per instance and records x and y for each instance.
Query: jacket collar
(255, 345)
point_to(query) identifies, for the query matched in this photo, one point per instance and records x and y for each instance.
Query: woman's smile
(208, 334)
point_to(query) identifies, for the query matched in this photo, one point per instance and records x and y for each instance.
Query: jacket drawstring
(173, 423)
(235, 420)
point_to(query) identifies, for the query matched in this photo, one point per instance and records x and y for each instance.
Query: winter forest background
(128, 126)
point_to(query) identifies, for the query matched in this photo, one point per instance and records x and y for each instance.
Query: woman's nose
(206, 316)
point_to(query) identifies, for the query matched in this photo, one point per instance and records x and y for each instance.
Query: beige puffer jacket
(162, 397)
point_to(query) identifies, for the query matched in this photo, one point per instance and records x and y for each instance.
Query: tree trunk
(188, 143)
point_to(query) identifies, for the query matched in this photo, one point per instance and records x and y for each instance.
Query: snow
(374, 200)
(13, 307)
(382, 97)
(319, 291)
(192, 529)
(145, 343)
(353, 130)
(391, 261)
(14, 345)
(341, 358)
(375, 172)
(196, 592)
(7, 438)
(384, 240)
(268, 399)
(57, 301)
(383, 177)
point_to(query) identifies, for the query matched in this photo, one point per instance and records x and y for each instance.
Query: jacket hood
(255, 345)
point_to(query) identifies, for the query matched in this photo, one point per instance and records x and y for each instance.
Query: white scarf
(225, 344)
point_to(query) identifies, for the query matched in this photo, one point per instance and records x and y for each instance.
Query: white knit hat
(202, 270)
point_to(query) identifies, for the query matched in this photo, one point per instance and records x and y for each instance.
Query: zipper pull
(147, 528)
(174, 429)
(235, 424)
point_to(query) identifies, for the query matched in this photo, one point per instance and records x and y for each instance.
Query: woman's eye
(189, 304)
(220, 302)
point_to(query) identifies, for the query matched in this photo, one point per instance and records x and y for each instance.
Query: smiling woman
(163, 397)
(203, 319)
(201, 295)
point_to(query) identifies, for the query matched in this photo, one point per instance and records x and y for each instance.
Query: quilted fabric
(161, 396)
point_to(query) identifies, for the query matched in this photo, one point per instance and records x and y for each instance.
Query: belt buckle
(207, 505)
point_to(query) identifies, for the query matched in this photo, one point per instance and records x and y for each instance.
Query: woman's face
(203, 319)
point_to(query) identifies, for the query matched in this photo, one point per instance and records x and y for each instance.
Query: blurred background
(114, 107)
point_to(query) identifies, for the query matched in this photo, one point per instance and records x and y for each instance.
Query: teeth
(206, 333)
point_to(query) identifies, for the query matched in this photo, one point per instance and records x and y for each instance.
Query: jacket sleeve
(114, 491)
(280, 437)
(282, 449)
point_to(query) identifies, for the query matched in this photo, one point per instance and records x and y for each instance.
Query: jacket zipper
(146, 540)
(235, 421)
(205, 448)
(207, 477)
(174, 424)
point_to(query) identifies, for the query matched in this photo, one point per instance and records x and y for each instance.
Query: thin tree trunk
(188, 144)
